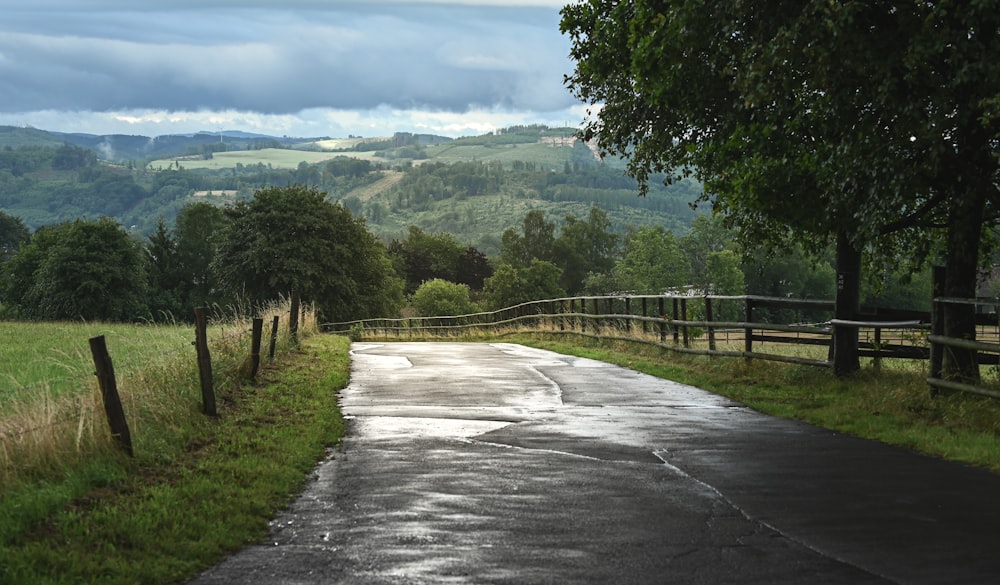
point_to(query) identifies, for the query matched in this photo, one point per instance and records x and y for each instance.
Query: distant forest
(50, 184)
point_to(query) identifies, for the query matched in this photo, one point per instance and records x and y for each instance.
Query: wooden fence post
(109, 393)
(937, 325)
(662, 312)
(597, 311)
(684, 317)
(628, 311)
(204, 361)
(676, 315)
(255, 339)
(645, 313)
(293, 322)
(748, 332)
(708, 318)
(274, 338)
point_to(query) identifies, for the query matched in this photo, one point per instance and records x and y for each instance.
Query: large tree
(85, 269)
(817, 122)
(196, 232)
(293, 238)
(585, 247)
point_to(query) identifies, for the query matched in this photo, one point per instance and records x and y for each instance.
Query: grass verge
(893, 406)
(163, 518)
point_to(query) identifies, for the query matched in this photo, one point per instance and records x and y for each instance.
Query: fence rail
(751, 327)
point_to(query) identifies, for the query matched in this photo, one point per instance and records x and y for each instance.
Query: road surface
(497, 463)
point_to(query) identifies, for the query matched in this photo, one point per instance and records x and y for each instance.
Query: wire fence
(43, 422)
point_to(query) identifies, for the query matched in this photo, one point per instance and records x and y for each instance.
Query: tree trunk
(972, 183)
(846, 306)
(964, 231)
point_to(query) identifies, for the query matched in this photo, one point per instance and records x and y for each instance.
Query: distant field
(278, 158)
(548, 155)
(341, 143)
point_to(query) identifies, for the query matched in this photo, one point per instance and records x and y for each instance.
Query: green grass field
(175, 509)
(551, 156)
(56, 358)
(547, 154)
(279, 158)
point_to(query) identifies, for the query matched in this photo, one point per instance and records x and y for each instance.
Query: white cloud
(155, 67)
(377, 121)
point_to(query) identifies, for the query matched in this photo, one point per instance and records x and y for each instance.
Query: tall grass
(51, 413)
(175, 508)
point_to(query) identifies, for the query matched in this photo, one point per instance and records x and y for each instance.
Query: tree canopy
(85, 269)
(439, 297)
(292, 238)
(869, 125)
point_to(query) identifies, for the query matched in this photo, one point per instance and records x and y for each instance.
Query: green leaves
(85, 269)
(292, 238)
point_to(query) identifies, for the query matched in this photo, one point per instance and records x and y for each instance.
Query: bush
(439, 297)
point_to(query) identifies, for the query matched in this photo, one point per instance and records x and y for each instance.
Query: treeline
(251, 251)
(46, 185)
(295, 238)
(540, 260)
(597, 184)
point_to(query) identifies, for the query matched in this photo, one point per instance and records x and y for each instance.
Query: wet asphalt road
(496, 463)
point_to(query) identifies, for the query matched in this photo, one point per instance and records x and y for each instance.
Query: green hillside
(17, 137)
(473, 187)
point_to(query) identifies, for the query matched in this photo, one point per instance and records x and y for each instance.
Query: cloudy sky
(284, 67)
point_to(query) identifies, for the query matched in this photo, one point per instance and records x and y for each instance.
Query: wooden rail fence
(760, 327)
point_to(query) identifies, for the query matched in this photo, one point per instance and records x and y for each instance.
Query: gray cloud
(281, 58)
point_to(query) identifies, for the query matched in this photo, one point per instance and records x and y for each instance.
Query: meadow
(278, 158)
(55, 358)
(75, 509)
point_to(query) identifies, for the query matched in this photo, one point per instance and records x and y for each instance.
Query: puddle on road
(392, 427)
(377, 362)
(543, 357)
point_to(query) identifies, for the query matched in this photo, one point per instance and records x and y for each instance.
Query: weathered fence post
(255, 339)
(274, 338)
(937, 325)
(597, 322)
(747, 319)
(109, 394)
(204, 361)
(877, 358)
(662, 312)
(628, 311)
(293, 322)
(676, 316)
(708, 318)
(684, 317)
(645, 313)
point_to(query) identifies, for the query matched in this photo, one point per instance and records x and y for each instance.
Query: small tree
(439, 297)
(512, 286)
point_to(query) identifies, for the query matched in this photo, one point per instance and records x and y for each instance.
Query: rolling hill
(474, 187)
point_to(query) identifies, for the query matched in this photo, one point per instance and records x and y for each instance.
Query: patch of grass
(893, 406)
(163, 517)
(56, 356)
(278, 158)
